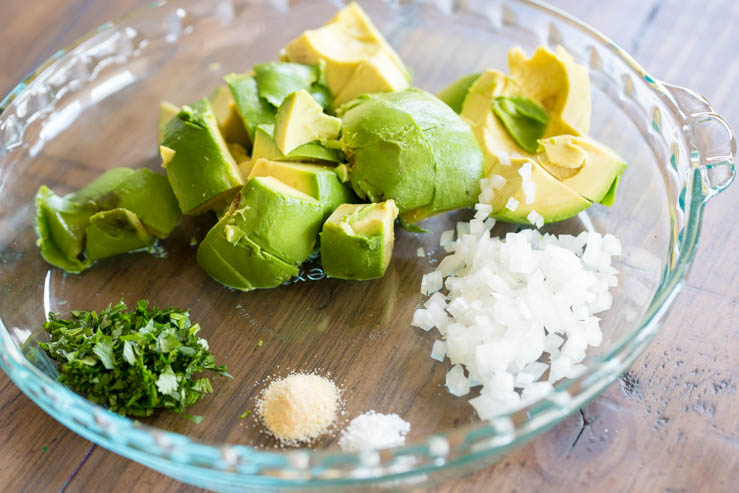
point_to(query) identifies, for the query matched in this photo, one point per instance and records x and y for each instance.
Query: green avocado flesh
(320, 182)
(524, 120)
(115, 213)
(455, 93)
(266, 147)
(410, 147)
(252, 109)
(269, 229)
(200, 168)
(357, 240)
(276, 80)
(114, 232)
(300, 120)
(228, 117)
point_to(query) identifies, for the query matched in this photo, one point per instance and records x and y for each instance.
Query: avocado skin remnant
(201, 170)
(411, 147)
(357, 240)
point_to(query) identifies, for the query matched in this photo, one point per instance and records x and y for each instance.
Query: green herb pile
(132, 362)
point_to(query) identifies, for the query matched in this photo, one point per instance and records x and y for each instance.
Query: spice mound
(373, 430)
(299, 408)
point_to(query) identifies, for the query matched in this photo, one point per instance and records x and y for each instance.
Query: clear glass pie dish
(93, 106)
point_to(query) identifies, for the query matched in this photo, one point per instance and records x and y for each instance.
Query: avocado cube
(252, 109)
(279, 218)
(301, 120)
(357, 240)
(114, 232)
(266, 147)
(200, 168)
(320, 182)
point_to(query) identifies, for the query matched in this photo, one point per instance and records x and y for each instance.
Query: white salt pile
(517, 314)
(371, 431)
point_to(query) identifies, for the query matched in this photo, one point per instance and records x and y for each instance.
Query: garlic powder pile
(371, 431)
(299, 408)
(515, 314)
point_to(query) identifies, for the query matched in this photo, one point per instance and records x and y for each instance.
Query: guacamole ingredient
(132, 362)
(372, 431)
(312, 152)
(357, 240)
(199, 166)
(524, 120)
(518, 313)
(410, 147)
(299, 408)
(252, 109)
(81, 227)
(320, 182)
(276, 80)
(555, 81)
(268, 230)
(301, 120)
(228, 117)
(357, 58)
(456, 92)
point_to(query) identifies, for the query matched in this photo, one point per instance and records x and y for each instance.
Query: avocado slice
(411, 147)
(276, 80)
(301, 120)
(167, 111)
(320, 182)
(375, 74)
(60, 225)
(101, 186)
(523, 118)
(228, 117)
(554, 201)
(560, 85)
(199, 166)
(357, 240)
(114, 232)
(584, 165)
(344, 43)
(252, 109)
(279, 218)
(266, 147)
(455, 93)
(232, 258)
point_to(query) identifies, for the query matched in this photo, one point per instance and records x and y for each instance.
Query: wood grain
(672, 422)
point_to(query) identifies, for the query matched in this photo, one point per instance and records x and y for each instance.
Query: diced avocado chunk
(345, 43)
(585, 166)
(114, 232)
(560, 85)
(455, 93)
(61, 225)
(320, 182)
(101, 186)
(167, 111)
(232, 258)
(266, 147)
(199, 166)
(301, 120)
(277, 80)
(279, 218)
(357, 240)
(228, 118)
(252, 109)
(375, 74)
(411, 147)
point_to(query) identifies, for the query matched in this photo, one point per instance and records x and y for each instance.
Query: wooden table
(672, 422)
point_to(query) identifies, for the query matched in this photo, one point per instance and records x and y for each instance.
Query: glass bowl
(94, 106)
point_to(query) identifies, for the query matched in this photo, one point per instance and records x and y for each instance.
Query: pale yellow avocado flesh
(344, 43)
(376, 74)
(583, 165)
(556, 82)
(227, 116)
(167, 111)
(301, 120)
(554, 201)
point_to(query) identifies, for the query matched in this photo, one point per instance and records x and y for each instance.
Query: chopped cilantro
(245, 414)
(133, 362)
(259, 344)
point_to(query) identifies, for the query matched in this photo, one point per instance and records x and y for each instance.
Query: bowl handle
(713, 146)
